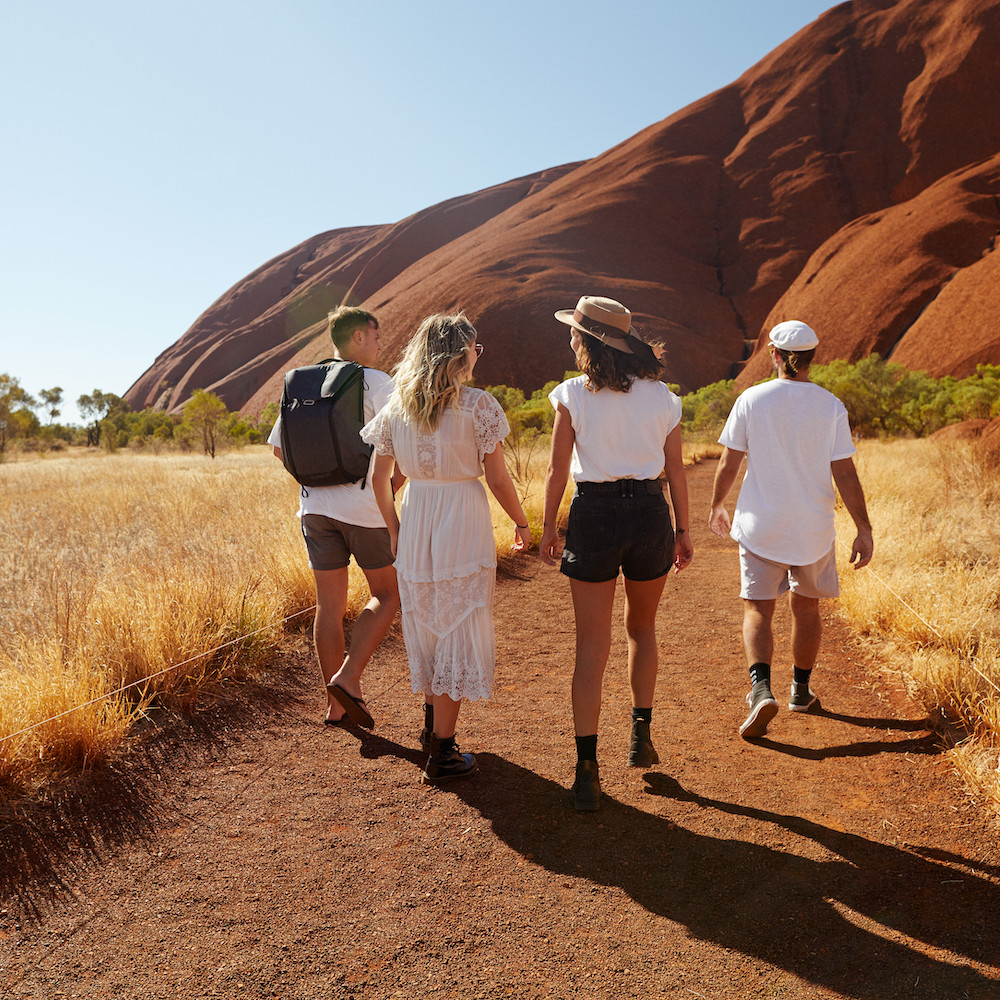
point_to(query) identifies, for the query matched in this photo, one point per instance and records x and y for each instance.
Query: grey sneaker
(763, 708)
(802, 698)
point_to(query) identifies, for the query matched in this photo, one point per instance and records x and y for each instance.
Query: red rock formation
(850, 179)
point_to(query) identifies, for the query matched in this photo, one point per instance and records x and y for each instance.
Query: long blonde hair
(434, 366)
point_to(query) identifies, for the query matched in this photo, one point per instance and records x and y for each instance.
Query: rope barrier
(151, 677)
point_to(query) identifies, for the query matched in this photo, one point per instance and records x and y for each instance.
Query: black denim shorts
(626, 529)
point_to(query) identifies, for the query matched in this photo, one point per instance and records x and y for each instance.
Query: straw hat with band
(607, 321)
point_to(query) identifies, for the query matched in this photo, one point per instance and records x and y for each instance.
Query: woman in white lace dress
(444, 435)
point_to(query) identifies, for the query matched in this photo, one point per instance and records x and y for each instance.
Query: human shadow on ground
(928, 744)
(46, 842)
(900, 725)
(768, 902)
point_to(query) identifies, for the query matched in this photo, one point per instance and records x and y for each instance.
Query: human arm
(725, 475)
(673, 467)
(382, 485)
(556, 477)
(845, 475)
(277, 452)
(500, 484)
(397, 481)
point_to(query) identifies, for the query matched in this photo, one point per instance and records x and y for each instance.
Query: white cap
(793, 335)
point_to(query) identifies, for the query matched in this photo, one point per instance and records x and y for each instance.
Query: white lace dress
(446, 556)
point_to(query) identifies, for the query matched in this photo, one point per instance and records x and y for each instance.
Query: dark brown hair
(607, 368)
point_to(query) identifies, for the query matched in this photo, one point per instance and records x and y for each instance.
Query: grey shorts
(331, 543)
(765, 580)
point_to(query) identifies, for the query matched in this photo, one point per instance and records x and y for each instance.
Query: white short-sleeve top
(618, 435)
(791, 431)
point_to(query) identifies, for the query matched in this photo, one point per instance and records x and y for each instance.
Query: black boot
(586, 789)
(446, 761)
(642, 753)
(425, 733)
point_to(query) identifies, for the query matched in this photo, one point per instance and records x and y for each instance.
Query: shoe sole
(586, 805)
(803, 708)
(637, 761)
(757, 721)
(426, 779)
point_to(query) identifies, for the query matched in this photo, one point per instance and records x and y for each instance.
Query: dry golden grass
(117, 568)
(932, 593)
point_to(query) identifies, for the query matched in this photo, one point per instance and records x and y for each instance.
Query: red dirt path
(253, 852)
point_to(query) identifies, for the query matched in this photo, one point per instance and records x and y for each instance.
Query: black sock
(760, 672)
(586, 748)
(642, 715)
(801, 676)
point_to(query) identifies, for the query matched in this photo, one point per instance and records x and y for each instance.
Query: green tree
(15, 404)
(205, 413)
(52, 400)
(95, 407)
(705, 410)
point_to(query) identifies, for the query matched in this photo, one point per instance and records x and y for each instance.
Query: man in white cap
(797, 442)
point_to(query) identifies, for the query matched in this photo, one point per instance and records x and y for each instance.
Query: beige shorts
(764, 580)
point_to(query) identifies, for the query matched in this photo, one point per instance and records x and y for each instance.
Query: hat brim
(566, 316)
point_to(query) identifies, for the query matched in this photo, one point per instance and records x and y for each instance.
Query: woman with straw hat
(617, 427)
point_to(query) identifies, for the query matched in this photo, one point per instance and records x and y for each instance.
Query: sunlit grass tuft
(932, 591)
(116, 569)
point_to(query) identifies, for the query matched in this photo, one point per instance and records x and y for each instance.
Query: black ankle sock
(642, 715)
(429, 715)
(586, 748)
(760, 672)
(801, 676)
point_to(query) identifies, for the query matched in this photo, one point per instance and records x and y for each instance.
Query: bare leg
(328, 628)
(592, 605)
(369, 628)
(758, 637)
(807, 627)
(445, 715)
(642, 600)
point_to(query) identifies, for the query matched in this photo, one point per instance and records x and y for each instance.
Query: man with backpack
(339, 521)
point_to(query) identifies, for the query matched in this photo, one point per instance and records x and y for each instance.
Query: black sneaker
(442, 765)
(586, 789)
(642, 753)
(763, 708)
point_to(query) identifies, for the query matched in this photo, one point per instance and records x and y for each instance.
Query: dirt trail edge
(257, 853)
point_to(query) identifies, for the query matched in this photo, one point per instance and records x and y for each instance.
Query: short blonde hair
(344, 320)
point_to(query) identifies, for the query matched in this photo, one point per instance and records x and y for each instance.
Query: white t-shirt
(791, 431)
(348, 503)
(619, 435)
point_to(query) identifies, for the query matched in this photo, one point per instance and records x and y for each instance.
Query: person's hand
(718, 521)
(548, 547)
(862, 549)
(522, 538)
(683, 551)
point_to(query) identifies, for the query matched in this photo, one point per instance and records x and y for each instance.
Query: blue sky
(155, 154)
